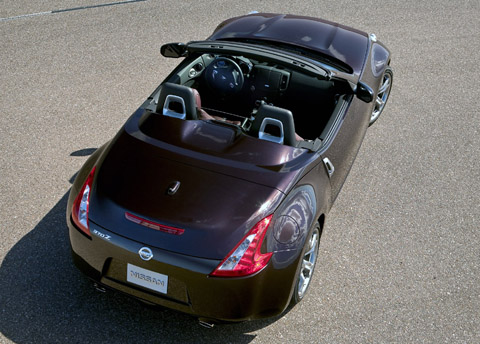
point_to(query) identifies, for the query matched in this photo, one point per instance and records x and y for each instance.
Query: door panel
(343, 149)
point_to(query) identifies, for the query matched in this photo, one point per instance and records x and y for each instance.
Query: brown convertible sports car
(212, 197)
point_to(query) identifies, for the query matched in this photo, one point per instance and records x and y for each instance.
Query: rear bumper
(190, 289)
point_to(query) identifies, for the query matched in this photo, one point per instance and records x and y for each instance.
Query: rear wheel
(307, 267)
(382, 95)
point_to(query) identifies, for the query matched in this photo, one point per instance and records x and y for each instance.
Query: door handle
(329, 166)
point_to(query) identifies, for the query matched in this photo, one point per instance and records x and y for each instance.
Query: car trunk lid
(214, 204)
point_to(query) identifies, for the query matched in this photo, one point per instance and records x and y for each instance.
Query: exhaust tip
(99, 288)
(206, 323)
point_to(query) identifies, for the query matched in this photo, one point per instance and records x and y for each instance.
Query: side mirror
(364, 92)
(174, 50)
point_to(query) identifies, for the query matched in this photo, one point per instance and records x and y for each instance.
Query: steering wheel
(224, 76)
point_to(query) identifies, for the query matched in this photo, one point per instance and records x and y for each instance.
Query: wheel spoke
(380, 102)
(308, 266)
(301, 282)
(385, 86)
(312, 250)
(312, 244)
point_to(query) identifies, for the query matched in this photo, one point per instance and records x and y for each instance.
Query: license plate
(146, 278)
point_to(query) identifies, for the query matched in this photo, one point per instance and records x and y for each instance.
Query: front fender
(380, 58)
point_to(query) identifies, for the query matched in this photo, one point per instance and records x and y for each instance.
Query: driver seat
(177, 101)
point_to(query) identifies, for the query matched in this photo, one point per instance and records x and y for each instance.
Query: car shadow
(45, 299)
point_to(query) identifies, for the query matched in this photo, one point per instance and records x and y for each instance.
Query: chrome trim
(170, 113)
(329, 166)
(172, 190)
(269, 137)
(145, 253)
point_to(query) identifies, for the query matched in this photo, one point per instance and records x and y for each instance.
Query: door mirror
(364, 92)
(174, 50)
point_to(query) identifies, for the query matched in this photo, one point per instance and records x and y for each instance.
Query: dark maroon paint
(228, 180)
(338, 41)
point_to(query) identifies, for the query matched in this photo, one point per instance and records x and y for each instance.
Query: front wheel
(307, 267)
(382, 95)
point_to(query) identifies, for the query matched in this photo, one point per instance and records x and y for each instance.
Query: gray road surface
(400, 256)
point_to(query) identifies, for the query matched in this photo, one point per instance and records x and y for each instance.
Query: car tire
(382, 95)
(307, 265)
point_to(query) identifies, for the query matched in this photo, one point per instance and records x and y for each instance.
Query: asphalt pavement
(399, 257)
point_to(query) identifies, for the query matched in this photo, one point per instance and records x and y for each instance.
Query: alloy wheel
(382, 95)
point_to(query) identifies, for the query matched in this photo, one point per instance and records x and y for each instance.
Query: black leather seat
(275, 124)
(177, 101)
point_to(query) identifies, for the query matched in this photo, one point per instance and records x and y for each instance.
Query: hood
(343, 43)
(215, 204)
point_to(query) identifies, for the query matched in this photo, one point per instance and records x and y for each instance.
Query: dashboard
(234, 83)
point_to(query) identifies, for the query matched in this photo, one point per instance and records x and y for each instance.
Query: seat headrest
(274, 124)
(177, 101)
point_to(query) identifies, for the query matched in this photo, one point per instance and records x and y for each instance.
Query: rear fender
(81, 176)
(293, 220)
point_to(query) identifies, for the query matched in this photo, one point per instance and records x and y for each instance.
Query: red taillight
(81, 205)
(246, 259)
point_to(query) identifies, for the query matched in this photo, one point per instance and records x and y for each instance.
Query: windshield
(309, 53)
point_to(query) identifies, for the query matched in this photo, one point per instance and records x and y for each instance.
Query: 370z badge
(101, 235)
